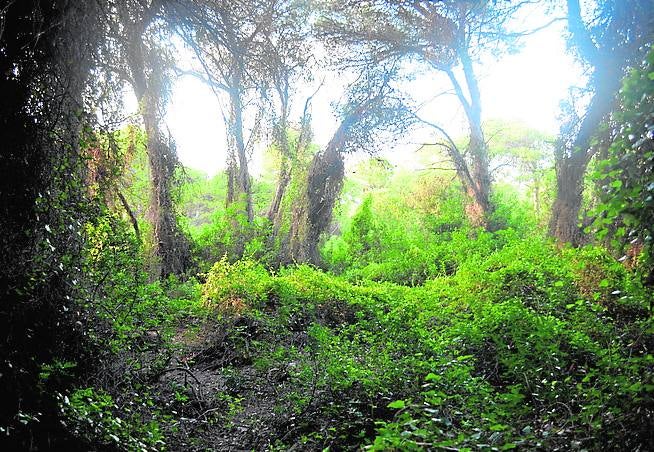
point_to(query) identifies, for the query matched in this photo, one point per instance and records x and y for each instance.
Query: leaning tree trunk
(573, 158)
(281, 138)
(571, 162)
(282, 183)
(313, 215)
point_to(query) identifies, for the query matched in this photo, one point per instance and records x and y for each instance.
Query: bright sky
(527, 86)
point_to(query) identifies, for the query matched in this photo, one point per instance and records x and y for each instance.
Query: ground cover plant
(384, 280)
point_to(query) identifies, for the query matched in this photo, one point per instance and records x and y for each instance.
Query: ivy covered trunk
(169, 244)
(170, 247)
(479, 208)
(44, 68)
(313, 215)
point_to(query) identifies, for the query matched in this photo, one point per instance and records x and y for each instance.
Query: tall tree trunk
(244, 182)
(170, 247)
(569, 192)
(231, 177)
(572, 160)
(281, 138)
(475, 176)
(480, 208)
(282, 183)
(537, 190)
(44, 69)
(575, 152)
(290, 155)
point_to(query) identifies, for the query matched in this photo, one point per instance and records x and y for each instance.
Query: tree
(372, 108)
(520, 148)
(140, 60)
(285, 60)
(47, 53)
(229, 40)
(605, 45)
(449, 36)
(627, 174)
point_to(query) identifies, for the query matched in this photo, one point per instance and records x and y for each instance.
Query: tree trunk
(169, 246)
(281, 137)
(231, 178)
(45, 65)
(480, 208)
(569, 190)
(571, 163)
(474, 176)
(313, 215)
(572, 158)
(130, 213)
(243, 178)
(290, 156)
(537, 207)
(282, 184)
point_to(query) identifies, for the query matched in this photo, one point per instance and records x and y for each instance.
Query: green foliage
(362, 238)
(242, 284)
(90, 414)
(513, 210)
(121, 294)
(523, 346)
(219, 231)
(403, 234)
(627, 175)
(423, 333)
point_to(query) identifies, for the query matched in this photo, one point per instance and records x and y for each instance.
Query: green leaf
(398, 404)
(635, 387)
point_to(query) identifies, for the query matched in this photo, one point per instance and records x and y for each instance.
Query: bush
(238, 286)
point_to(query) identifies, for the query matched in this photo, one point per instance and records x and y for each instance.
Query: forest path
(231, 395)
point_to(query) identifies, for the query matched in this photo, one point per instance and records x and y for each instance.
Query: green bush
(242, 284)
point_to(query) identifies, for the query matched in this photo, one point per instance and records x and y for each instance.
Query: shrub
(238, 286)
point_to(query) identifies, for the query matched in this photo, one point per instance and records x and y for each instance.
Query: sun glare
(527, 87)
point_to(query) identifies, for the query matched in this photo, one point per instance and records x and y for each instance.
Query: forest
(362, 272)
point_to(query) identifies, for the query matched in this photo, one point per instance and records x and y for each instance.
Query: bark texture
(243, 186)
(313, 215)
(170, 247)
(576, 150)
(473, 172)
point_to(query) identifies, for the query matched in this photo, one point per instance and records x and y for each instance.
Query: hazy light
(196, 123)
(527, 86)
